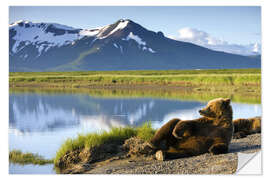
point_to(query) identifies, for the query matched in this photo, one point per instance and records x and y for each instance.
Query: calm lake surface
(41, 122)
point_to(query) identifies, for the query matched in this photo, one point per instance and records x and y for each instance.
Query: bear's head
(217, 108)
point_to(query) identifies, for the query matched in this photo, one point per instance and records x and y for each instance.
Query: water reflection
(33, 113)
(30, 169)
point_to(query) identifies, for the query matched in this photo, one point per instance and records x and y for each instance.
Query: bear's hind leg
(219, 148)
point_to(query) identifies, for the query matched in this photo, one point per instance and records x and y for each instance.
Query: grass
(251, 94)
(81, 78)
(118, 134)
(141, 72)
(16, 156)
(145, 132)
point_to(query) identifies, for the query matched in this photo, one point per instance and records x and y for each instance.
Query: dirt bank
(132, 163)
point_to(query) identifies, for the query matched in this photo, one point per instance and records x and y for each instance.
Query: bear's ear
(227, 101)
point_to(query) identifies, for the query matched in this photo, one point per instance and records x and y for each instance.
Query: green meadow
(162, 77)
(242, 85)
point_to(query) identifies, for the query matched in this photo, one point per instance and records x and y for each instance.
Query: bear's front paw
(160, 155)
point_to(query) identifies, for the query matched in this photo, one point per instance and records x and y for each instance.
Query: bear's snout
(201, 111)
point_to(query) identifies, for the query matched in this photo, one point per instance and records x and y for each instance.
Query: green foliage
(116, 134)
(197, 77)
(16, 156)
(145, 132)
(140, 72)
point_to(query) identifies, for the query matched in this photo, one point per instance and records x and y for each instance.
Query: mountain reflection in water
(39, 113)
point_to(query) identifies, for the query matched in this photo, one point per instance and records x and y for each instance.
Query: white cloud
(204, 39)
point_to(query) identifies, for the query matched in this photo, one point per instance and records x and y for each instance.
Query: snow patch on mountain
(148, 49)
(151, 50)
(89, 32)
(120, 26)
(60, 26)
(136, 38)
(140, 42)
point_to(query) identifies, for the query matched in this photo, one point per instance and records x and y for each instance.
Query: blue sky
(230, 24)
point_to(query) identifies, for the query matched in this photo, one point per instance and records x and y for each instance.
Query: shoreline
(246, 94)
(201, 164)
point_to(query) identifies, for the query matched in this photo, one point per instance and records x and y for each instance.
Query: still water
(41, 122)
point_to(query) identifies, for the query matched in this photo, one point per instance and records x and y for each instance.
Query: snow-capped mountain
(123, 45)
(44, 35)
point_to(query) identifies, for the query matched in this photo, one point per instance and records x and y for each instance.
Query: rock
(108, 171)
(137, 147)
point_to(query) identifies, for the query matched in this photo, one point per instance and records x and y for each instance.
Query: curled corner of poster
(249, 164)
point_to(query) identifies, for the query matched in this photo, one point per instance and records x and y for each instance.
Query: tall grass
(16, 156)
(118, 134)
(211, 77)
(140, 72)
(74, 82)
(145, 132)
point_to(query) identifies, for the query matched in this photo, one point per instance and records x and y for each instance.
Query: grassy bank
(16, 156)
(119, 134)
(231, 77)
(90, 140)
(252, 96)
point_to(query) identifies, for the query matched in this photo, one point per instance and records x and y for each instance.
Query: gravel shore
(203, 164)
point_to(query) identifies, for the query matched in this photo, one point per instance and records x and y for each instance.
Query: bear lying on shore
(210, 133)
(244, 127)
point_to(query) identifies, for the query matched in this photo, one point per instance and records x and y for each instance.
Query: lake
(39, 122)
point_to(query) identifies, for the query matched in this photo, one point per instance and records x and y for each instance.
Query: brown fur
(210, 133)
(244, 127)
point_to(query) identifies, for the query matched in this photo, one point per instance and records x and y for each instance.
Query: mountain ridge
(123, 45)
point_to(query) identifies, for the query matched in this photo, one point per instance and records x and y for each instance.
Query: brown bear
(210, 133)
(244, 127)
